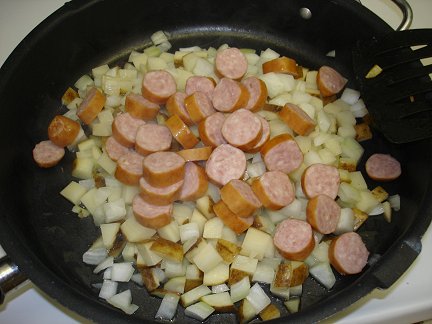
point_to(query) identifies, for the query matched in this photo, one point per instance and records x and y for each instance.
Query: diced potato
(229, 235)
(240, 289)
(135, 232)
(106, 163)
(264, 273)
(170, 232)
(347, 164)
(351, 149)
(304, 143)
(357, 180)
(207, 259)
(150, 258)
(257, 244)
(344, 176)
(213, 228)
(174, 269)
(359, 218)
(109, 233)
(367, 201)
(300, 272)
(283, 276)
(236, 275)
(192, 283)
(387, 211)
(220, 302)
(201, 243)
(217, 275)
(83, 168)
(175, 284)
(168, 250)
(246, 311)
(263, 223)
(205, 206)
(129, 252)
(348, 193)
(182, 213)
(363, 132)
(258, 298)
(293, 305)
(88, 200)
(227, 250)
(192, 296)
(199, 219)
(245, 264)
(346, 221)
(150, 279)
(73, 192)
(270, 312)
(380, 194)
(199, 311)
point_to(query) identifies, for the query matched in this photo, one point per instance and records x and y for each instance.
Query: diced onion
(220, 288)
(199, 311)
(108, 289)
(258, 298)
(256, 169)
(350, 96)
(323, 273)
(394, 202)
(122, 271)
(377, 210)
(108, 262)
(168, 307)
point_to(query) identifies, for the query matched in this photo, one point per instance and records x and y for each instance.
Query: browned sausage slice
(323, 214)
(195, 183)
(196, 154)
(274, 189)
(141, 108)
(231, 63)
(162, 169)
(281, 65)
(348, 254)
(199, 106)
(114, 149)
(129, 168)
(230, 95)
(257, 93)
(181, 132)
(159, 196)
(125, 128)
(91, 106)
(158, 86)
(294, 239)
(265, 136)
(297, 119)
(46, 154)
(383, 167)
(152, 138)
(282, 153)
(200, 83)
(329, 81)
(225, 163)
(239, 198)
(320, 179)
(176, 106)
(62, 131)
(236, 223)
(210, 130)
(149, 215)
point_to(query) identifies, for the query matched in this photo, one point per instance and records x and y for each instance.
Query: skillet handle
(10, 277)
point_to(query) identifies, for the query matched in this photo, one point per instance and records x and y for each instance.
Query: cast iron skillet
(47, 241)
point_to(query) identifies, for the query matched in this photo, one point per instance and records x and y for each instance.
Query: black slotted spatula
(395, 85)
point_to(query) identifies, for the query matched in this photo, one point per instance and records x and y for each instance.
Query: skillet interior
(47, 240)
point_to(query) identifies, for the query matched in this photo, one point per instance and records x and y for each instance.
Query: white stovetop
(408, 301)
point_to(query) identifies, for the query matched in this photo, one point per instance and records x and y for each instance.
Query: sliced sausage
(210, 130)
(274, 189)
(125, 128)
(231, 220)
(294, 239)
(224, 164)
(195, 183)
(199, 106)
(200, 83)
(152, 138)
(181, 132)
(320, 179)
(323, 214)
(297, 119)
(129, 168)
(348, 254)
(159, 196)
(196, 154)
(162, 169)
(231, 63)
(62, 131)
(114, 149)
(329, 81)
(265, 136)
(383, 167)
(281, 65)
(281, 153)
(149, 215)
(141, 108)
(239, 198)
(158, 86)
(46, 154)
(257, 93)
(242, 129)
(230, 95)
(91, 106)
(176, 106)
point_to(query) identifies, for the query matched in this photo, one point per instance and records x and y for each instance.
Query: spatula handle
(407, 13)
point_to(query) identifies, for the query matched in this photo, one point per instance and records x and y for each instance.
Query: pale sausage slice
(230, 95)
(231, 220)
(239, 198)
(125, 128)
(141, 108)
(91, 106)
(162, 169)
(199, 106)
(231, 63)
(265, 136)
(195, 183)
(297, 119)
(129, 168)
(282, 153)
(46, 154)
(329, 81)
(176, 106)
(149, 215)
(181, 132)
(224, 164)
(323, 214)
(200, 83)
(210, 130)
(320, 179)
(152, 138)
(348, 254)
(383, 167)
(159, 196)
(257, 93)
(274, 189)
(114, 149)
(242, 129)
(196, 154)
(62, 131)
(158, 86)
(294, 239)
(281, 65)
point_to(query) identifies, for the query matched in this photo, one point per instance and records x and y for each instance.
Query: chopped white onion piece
(168, 307)
(122, 271)
(240, 289)
(332, 53)
(137, 278)
(189, 231)
(394, 202)
(199, 311)
(359, 109)
(258, 298)
(123, 301)
(213, 191)
(257, 158)
(350, 96)
(219, 288)
(377, 210)
(95, 256)
(108, 262)
(323, 273)
(256, 169)
(108, 289)
(107, 273)
(158, 37)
